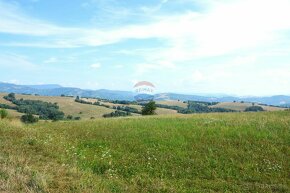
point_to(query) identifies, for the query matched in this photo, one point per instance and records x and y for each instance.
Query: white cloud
(15, 61)
(13, 81)
(245, 29)
(240, 75)
(224, 28)
(51, 60)
(158, 65)
(14, 21)
(119, 66)
(198, 76)
(91, 85)
(95, 66)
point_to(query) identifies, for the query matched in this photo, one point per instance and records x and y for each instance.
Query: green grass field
(221, 152)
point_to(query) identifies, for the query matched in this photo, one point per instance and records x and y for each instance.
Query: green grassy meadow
(221, 152)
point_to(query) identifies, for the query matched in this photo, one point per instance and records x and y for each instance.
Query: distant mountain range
(45, 86)
(57, 90)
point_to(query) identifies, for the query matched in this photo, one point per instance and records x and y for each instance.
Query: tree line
(118, 108)
(117, 114)
(45, 110)
(195, 107)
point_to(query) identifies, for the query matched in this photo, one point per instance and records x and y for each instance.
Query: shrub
(117, 114)
(149, 108)
(254, 109)
(3, 113)
(127, 109)
(96, 103)
(11, 95)
(29, 118)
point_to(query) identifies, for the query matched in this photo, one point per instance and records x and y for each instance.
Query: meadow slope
(159, 111)
(70, 107)
(85, 111)
(221, 152)
(238, 106)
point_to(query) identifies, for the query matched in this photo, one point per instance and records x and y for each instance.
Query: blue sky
(239, 47)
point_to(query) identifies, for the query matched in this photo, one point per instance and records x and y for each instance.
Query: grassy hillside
(11, 113)
(173, 103)
(70, 107)
(242, 106)
(3, 101)
(163, 111)
(86, 111)
(231, 152)
(159, 111)
(14, 114)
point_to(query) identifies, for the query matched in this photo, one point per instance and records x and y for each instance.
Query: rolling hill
(238, 106)
(70, 107)
(88, 111)
(56, 90)
(159, 111)
(173, 103)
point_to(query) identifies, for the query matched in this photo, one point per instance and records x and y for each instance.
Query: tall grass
(232, 152)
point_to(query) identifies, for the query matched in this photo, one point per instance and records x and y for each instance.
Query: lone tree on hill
(11, 95)
(149, 108)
